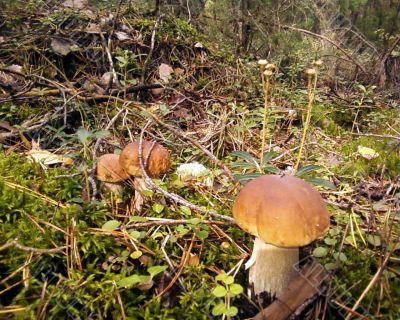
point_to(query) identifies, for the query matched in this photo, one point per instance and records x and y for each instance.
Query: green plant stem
(312, 85)
(266, 84)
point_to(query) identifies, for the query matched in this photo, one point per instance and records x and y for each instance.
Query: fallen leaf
(332, 159)
(367, 153)
(63, 46)
(179, 71)
(78, 4)
(105, 79)
(7, 79)
(14, 68)
(193, 260)
(93, 28)
(6, 125)
(122, 35)
(46, 158)
(165, 71)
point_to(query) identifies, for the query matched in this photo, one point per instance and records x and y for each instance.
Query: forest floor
(70, 249)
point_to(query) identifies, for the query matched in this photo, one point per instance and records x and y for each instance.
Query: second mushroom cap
(109, 169)
(158, 160)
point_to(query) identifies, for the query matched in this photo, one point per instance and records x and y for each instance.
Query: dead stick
(15, 244)
(301, 290)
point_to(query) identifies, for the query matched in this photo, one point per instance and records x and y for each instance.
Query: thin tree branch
(15, 244)
(352, 59)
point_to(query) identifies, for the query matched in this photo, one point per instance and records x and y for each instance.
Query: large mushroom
(284, 213)
(157, 162)
(110, 172)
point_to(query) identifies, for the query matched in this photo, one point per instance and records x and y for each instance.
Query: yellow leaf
(367, 153)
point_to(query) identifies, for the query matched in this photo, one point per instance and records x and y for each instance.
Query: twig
(68, 175)
(169, 222)
(12, 309)
(348, 55)
(110, 61)
(349, 310)
(27, 127)
(184, 260)
(150, 54)
(370, 285)
(173, 196)
(15, 244)
(120, 302)
(384, 136)
(34, 193)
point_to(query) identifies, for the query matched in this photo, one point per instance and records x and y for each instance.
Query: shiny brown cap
(283, 211)
(109, 169)
(157, 163)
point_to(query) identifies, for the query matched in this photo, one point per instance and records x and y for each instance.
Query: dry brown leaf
(63, 46)
(105, 80)
(122, 35)
(77, 4)
(165, 71)
(6, 125)
(93, 28)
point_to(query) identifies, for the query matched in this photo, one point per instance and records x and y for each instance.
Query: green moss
(17, 114)
(355, 165)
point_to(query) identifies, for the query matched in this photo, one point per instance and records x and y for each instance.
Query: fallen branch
(169, 222)
(150, 54)
(383, 136)
(15, 244)
(302, 291)
(29, 127)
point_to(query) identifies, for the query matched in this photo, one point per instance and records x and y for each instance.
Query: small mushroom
(110, 172)
(157, 159)
(284, 213)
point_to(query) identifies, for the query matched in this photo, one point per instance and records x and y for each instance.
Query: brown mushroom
(157, 159)
(110, 172)
(284, 213)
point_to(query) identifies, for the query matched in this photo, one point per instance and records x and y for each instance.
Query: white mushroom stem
(115, 188)
(140, 185)
(272, 268)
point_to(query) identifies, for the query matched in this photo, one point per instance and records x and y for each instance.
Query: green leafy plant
(138, 279)
(253, 169)
(251, 165)
(225, 290)
(127, 63)
(308, 173)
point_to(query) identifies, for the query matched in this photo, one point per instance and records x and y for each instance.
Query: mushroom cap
(284, 211)
(109, 169)
(158, 162)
